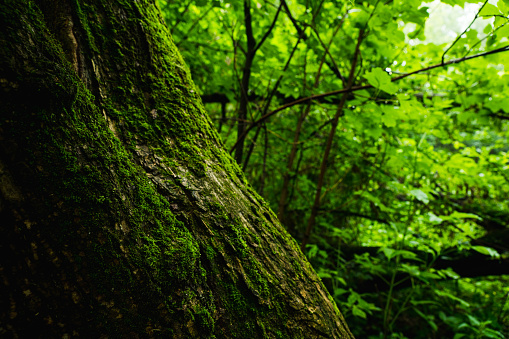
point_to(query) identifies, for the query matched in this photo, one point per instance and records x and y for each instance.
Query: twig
(466, 29)
(358, 88)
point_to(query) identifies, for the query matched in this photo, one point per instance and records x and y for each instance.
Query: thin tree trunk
(286, 177)
(244, 85)
(328, 146)
(121, 214)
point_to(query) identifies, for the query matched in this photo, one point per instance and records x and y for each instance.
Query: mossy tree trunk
(121, 215)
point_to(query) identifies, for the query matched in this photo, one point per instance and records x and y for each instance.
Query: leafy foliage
(405, 219)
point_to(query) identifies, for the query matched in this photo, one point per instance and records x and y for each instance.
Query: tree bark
(121, 215)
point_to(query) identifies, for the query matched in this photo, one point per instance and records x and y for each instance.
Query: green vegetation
(381, 138)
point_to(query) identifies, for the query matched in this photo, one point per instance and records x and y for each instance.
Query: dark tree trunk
(121, 215)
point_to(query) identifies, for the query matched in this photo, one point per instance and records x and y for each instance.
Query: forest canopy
(378, 131)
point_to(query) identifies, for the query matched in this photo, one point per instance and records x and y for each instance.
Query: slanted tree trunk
(121, 215)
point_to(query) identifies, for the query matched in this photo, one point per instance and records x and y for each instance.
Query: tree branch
(269, 30)
(358, 88)
(466, 29)
(328, 146)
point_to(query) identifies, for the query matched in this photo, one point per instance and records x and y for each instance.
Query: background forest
(378, 131)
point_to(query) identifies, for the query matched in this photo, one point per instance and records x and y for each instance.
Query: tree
(121, 213)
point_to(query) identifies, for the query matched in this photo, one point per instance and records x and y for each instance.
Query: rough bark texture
(120, 213)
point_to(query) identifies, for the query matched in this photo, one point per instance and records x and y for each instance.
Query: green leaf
(503, 6)
(381, 80)
(389, 88)
(428, 319)
(323, 274)
(503, 32)
(430, 276)
(471, 35)
(489, 10)
(377, 77)
(452, 297)
(407, 254)
(373, 199)
(353, 298)
(341, 280)
(473, 320)
(488, 332)
(363, 94)
(410, 269)
(449, 273)
(339, 291)
(460, 215)
(419, 195)
(433, 218)
(356, 311)
(391, 115)
(388, 252)
(498, 104)
(486, 251)
(313, 250)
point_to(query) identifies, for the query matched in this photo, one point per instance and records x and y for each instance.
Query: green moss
(205, 323)
(172, 255)
(131, 242)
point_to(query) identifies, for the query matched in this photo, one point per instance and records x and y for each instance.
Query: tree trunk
(121, 215)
